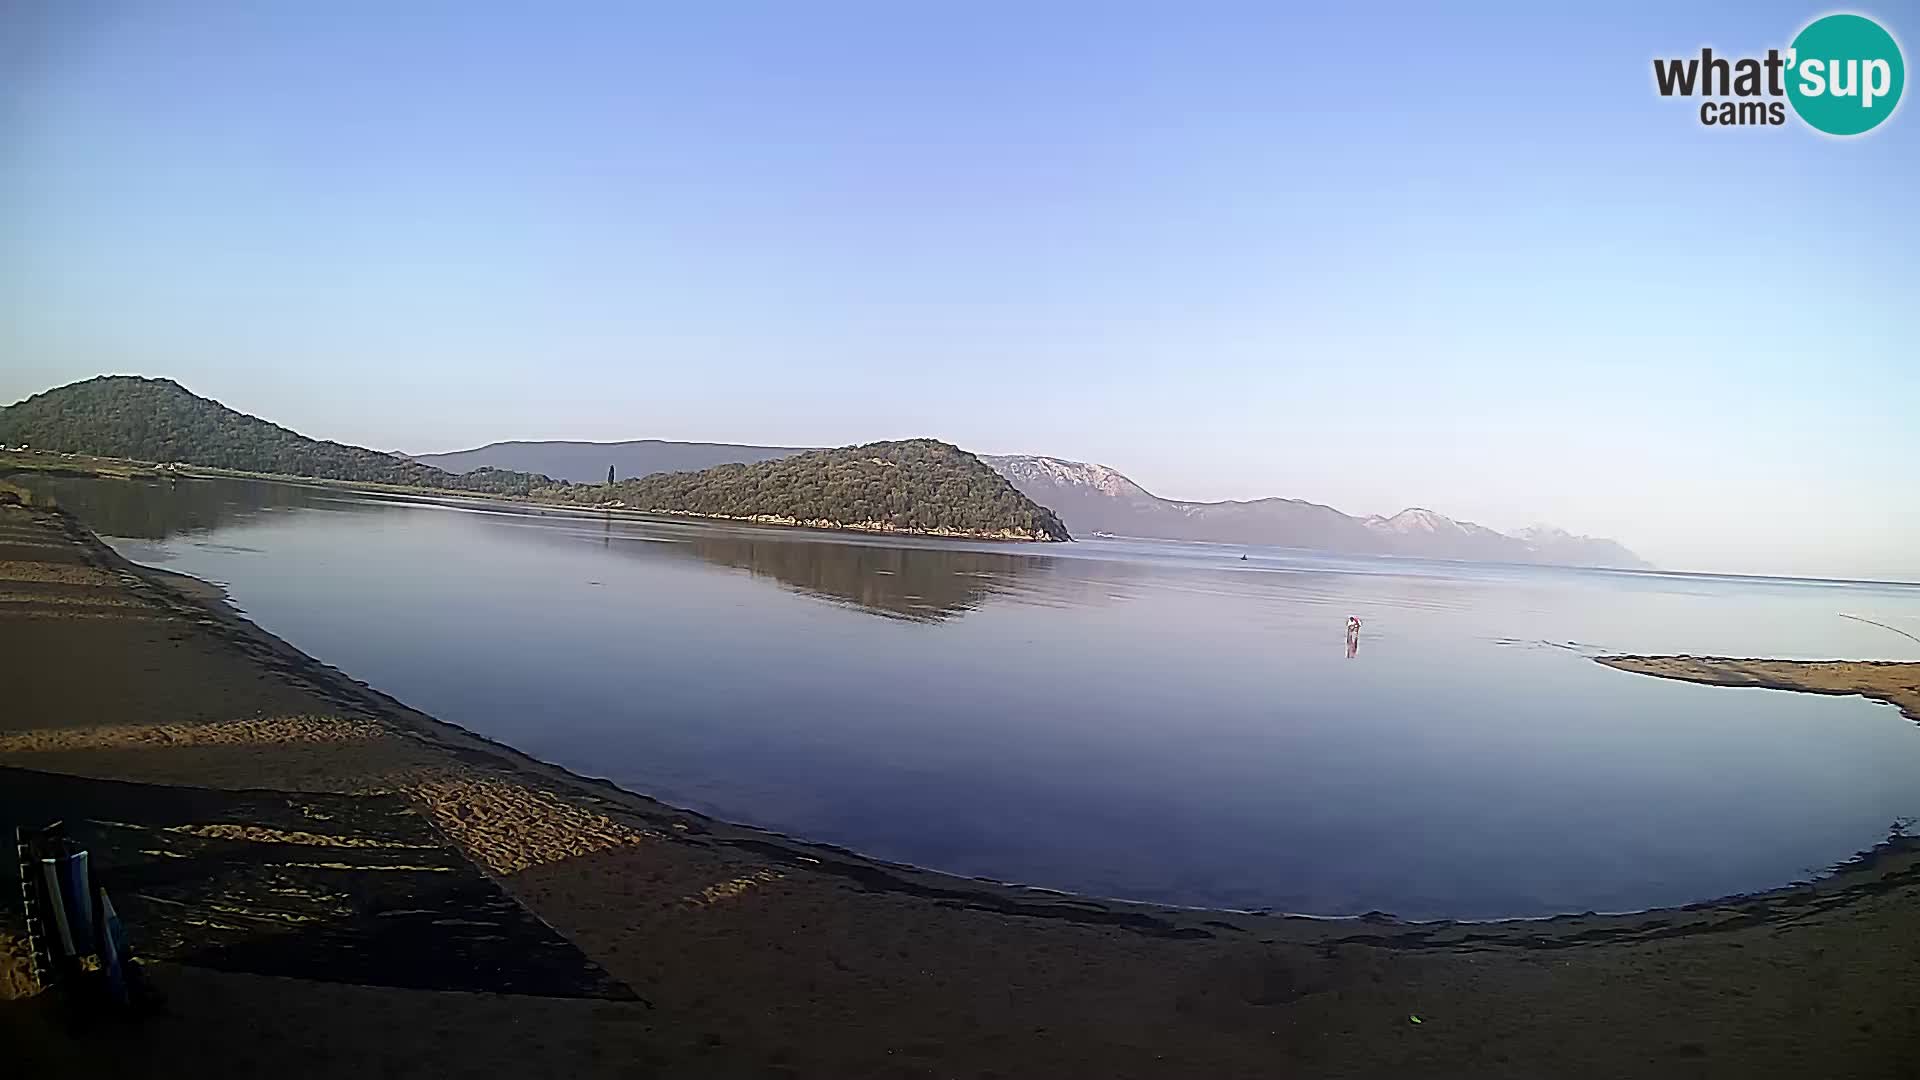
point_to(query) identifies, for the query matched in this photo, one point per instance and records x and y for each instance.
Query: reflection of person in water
(1353, 636)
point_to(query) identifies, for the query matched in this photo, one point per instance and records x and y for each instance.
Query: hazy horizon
(1488, 271)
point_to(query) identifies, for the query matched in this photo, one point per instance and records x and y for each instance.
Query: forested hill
(919, 485)
(586, 462)
(915, 485)
(159, 420)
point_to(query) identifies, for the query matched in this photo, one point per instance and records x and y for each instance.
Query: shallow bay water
(1138, 719)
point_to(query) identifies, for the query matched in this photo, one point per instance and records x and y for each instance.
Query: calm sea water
(1154, 721)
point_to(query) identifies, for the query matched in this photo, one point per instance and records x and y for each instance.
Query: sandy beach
(325, 881)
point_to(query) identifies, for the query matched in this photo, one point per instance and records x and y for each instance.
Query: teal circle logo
(1845, 74)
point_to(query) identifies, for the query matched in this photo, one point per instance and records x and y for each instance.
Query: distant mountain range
(940, 489)
(586, 462)
(1096, 499)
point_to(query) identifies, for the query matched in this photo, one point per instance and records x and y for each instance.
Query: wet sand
(589, 931)
(1895, 683)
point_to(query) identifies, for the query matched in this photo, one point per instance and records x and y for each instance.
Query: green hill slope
(159, 420)
(918, 485)
(915, 485)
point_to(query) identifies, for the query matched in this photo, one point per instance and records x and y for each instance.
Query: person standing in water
(1353, 636)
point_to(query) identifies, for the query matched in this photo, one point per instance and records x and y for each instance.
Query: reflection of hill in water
(920, 584)
(917, 583)
(148, 509)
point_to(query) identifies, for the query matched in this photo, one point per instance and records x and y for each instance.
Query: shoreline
(210, 599)
(119, 469)
(203, 599)
(1892, 682)
(504, 915)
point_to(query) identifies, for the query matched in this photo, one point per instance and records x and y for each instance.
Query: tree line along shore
(920, 486)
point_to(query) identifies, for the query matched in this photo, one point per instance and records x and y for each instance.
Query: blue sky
(1374, 258)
